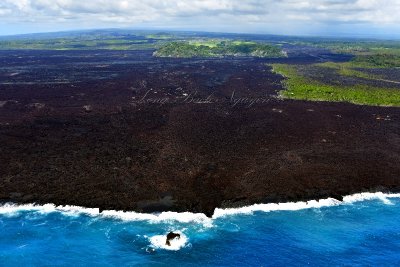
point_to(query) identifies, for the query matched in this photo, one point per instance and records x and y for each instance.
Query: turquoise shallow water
(360, 233)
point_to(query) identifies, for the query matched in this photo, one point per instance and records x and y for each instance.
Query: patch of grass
(377, 61)
(299, 87)
(243, 43)
(209, 43)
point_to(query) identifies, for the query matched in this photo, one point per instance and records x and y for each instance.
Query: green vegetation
(299, 87)
(74, 44)
(107, 40)
(353, 46)
(378, 60)
(371, 61)
(207, 43)
(218, 48)
(368, 54)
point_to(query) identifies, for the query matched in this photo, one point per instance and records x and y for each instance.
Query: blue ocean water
(361, 232)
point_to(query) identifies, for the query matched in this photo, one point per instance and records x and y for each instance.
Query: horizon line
(374, 36)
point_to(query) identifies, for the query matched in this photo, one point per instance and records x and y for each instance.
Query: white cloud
(169, 13)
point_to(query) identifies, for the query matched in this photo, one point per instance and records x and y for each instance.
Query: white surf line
(10, 209)
(293, 206)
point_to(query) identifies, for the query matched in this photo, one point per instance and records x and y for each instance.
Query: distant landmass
(219, 48)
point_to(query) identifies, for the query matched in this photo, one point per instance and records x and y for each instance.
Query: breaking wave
(293, 206)
(10, 209)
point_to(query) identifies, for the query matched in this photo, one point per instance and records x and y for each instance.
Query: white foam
(184, 217)
(10, 209)
(289, 206)
(292, 206)
(14, 209)
(385, 198)
(159, 242)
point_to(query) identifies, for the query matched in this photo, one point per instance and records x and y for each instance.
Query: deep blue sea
(364, 230)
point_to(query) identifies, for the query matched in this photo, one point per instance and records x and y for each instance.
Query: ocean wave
(384, 197)
(312, 204)
(10, 209)
(289, 206)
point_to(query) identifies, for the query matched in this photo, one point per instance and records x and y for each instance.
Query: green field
(368, 55)
(300, 87)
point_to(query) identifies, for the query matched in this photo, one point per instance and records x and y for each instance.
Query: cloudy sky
(300, 17)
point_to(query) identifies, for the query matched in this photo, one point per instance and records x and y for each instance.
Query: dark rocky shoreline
(97, 143)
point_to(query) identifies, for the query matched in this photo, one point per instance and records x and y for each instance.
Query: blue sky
(293, 17)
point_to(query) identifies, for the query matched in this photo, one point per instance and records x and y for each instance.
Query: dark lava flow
(122, 130)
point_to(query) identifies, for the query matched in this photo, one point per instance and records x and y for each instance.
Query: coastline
(11, 209)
